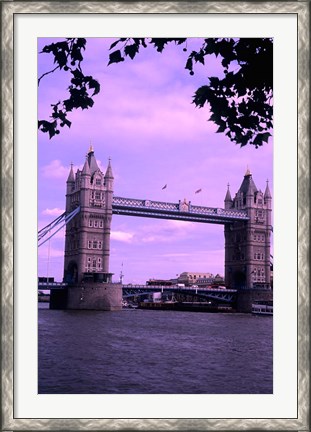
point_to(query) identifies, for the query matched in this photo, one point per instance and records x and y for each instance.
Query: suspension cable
(68, 218)
(50, 226)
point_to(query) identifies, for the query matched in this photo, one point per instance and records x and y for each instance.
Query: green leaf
(159, 43)
(265, 136)
(115, 57)
(48, 127)
(189, 64)
(131, 50)
(95, 85)
(81, 42)
(222, 127)
(115, 43)
(258, 140)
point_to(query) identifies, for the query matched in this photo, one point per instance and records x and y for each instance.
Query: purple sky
(144, 121)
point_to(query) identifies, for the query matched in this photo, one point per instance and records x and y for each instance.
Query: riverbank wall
(88, 296)
(246, 297)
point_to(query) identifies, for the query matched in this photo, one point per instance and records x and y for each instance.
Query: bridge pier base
(88, 296)
(246, 297)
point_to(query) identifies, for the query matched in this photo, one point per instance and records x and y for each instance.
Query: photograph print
(155, 215)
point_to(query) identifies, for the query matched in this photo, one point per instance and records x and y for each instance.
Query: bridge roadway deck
(150, 288)
(128, 291)
(224, 295)
(174, 287)
(177, 211)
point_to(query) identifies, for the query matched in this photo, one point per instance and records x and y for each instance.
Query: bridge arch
(71, 272)
(239, 279)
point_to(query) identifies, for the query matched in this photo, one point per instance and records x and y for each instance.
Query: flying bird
(198, 191)
(164, 187)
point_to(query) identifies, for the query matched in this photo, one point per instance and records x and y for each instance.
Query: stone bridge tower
(247, 243)
(87, 243)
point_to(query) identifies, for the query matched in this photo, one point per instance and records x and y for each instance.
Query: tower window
(101, 224)
(91, 222)
(98, 182)
(95, 223)
(89, 244)
(95, 244)
(97, 195)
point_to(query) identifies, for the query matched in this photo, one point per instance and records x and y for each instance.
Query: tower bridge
(223, 295)
(183, 210)
(137, 290)
(90, 205)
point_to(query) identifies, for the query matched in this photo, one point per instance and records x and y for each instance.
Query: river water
(147, 351)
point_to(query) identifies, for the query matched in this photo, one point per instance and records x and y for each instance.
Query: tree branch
(47, 73)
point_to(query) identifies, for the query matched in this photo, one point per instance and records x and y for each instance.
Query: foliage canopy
(240, 101)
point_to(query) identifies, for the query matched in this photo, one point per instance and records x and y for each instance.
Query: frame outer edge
(7, 215)
(303, 215)
(8, 422)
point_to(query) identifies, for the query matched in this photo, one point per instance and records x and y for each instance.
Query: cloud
(53, 212)
(176, 255)
(165, 231)
(121, 236)
(55, 170)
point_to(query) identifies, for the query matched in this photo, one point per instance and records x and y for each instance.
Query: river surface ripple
(147, 351)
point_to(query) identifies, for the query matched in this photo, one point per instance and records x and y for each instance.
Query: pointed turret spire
(267, 191)
(228, 194)
(86, 168)
(248, 173)
(71, 177)
(248, 186)
(109, 171)
(92, 160)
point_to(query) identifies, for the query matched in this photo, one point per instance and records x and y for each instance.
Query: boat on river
(262, 308)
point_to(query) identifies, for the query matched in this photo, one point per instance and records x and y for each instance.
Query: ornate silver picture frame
(10, 232)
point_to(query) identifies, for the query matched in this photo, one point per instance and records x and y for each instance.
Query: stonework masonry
(95, 296)
(247, 243)
(87, 244)
(87, 241)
